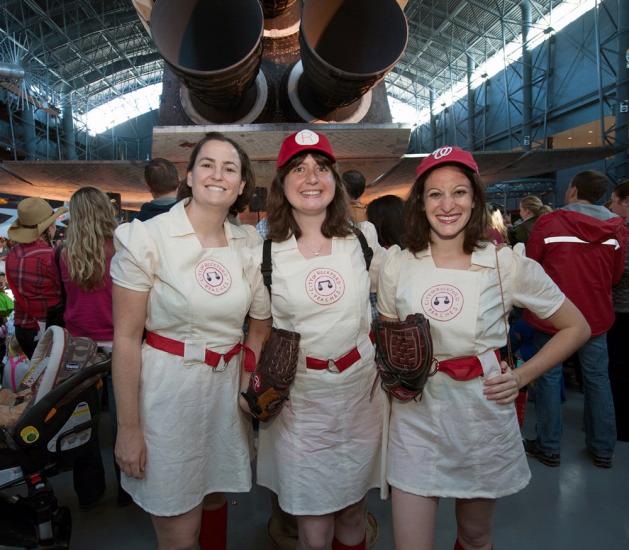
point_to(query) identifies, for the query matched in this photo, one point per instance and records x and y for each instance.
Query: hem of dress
(454, 494)
(322, 512)
(183, 510)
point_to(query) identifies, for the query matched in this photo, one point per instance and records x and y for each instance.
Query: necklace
(312, 251)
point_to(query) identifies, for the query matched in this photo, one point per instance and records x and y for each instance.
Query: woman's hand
(504, 388)
(130, 451)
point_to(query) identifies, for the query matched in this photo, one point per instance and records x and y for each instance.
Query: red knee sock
(213, 535)
(336, 545)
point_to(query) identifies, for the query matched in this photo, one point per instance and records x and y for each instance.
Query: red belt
(342, 363)
(463, 368)
(212, 358)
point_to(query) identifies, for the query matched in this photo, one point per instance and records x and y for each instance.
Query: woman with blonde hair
(531, 208)
(83, 262)
(84, 265)
(496, 228)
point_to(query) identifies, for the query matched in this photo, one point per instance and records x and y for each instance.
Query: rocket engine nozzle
(347, 47)
(215, 48)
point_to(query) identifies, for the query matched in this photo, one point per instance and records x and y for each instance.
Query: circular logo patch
(442, 302)
(213, 277)
(324, 286)
(306, 137)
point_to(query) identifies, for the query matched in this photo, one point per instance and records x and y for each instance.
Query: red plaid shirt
(32, 276)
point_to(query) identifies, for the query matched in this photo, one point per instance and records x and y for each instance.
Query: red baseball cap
(447, 155)
(304, 140)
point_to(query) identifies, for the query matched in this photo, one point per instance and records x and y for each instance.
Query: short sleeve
(388, 283)
(533, 289)
(135, 261)
(260, 300)
(379, 253)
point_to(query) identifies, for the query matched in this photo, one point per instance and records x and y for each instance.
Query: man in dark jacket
(582, 247)
(162, 179)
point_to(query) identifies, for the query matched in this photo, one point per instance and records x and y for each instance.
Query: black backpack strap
(267, 266)
(367, 250)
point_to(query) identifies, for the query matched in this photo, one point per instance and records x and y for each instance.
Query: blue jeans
(598, 414)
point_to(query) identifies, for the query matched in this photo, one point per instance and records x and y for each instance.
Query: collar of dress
(291, 243)
(180, 225)
(483, 257)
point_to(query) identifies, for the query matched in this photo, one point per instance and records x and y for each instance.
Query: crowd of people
(187, 298)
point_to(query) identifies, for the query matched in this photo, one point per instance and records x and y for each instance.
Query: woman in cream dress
(189, 277)
(322, 453)
(461, 439)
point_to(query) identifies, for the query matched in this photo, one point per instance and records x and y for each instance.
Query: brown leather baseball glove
(404, 355)
(269, 385)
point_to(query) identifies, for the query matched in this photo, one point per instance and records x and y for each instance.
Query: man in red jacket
(582, 247)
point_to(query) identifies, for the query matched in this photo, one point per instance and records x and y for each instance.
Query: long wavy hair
(417, 234)
(282, 223)
(92, 224)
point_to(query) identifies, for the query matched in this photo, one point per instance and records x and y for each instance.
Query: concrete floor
(574, 507)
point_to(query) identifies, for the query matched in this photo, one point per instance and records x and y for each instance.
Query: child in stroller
(52, 416)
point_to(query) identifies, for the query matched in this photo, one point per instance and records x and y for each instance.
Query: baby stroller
(62, 416)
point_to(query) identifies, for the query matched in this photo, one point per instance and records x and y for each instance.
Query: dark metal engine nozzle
(347, 47)
(215, 48)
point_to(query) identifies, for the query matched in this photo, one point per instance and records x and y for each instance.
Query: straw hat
(34, 216)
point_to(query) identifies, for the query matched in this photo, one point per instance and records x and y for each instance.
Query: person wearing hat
(319, 287)
(461, 439)
(31, 271)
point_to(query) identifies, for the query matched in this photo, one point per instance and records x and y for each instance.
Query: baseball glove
(269, 385)
(404, 356)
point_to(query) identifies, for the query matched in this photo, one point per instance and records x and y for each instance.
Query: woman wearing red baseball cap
(321, 454)
(462, 439)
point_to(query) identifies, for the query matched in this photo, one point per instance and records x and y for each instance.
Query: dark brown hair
(590, 185)
(387, 215)
(622, 190)
(280, 217)
(354, 183)
(246, 172)
(161, 176)
(417, 229)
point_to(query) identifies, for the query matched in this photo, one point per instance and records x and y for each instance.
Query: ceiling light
(589, 143)
(569, 137)
(589, 131)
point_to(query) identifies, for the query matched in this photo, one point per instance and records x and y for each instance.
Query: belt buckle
(332, 366)
(222, 365)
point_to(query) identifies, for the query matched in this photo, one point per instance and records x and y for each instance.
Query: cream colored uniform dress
(454, 442)
(198, 439)
(322, 452)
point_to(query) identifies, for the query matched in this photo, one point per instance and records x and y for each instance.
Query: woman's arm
(256, 336)
(573, 332)
(129, 314)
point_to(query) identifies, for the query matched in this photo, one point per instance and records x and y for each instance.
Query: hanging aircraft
(260, 69)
